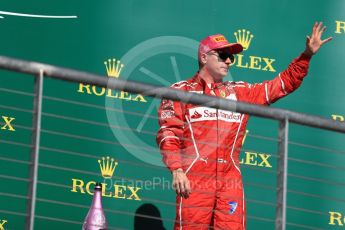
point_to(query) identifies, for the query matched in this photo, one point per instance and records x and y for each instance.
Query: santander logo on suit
(197, 114)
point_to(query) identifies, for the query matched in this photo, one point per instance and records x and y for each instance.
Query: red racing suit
(206, 143)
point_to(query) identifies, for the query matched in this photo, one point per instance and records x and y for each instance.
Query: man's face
(217, 63)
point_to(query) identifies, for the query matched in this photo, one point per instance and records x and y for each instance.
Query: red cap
(216, 42)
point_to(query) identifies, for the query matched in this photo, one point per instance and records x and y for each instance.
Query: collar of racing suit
(208, 88)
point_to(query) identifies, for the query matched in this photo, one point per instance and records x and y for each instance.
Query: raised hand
(314, 42)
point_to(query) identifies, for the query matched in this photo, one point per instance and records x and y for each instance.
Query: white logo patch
(167, 114)
(210, 114)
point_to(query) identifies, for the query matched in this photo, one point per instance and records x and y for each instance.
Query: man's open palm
(314, 42)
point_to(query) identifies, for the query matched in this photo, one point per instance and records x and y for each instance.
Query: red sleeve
(171, 121)
(285, 83)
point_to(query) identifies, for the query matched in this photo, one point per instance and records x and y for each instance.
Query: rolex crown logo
(113, 67)
(244, 37)
(107, 166)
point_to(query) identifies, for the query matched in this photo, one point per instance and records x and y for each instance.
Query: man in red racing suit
(201, 145)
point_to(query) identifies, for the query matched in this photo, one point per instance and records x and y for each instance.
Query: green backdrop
(157, 41)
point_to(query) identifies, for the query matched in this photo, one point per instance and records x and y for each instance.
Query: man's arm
(169, 136)
(290, 79)
(170, 133)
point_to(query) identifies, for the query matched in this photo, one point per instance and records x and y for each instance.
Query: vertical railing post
(36, 124)
(282, 174)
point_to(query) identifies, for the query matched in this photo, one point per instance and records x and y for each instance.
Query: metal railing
(40, 71)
